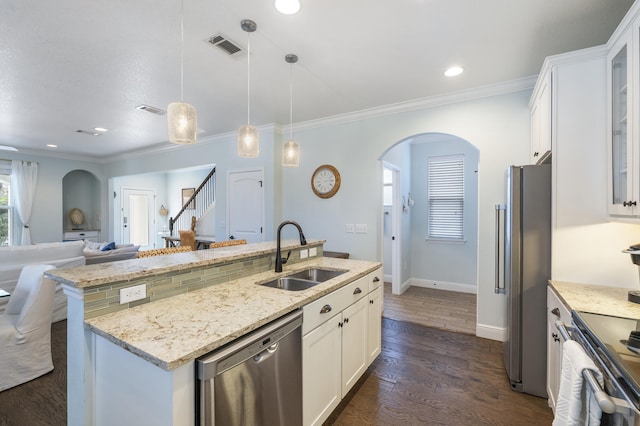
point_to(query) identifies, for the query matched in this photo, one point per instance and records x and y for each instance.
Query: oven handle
(602, 398)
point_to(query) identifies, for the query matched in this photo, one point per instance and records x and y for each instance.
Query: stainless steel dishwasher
(256, 380)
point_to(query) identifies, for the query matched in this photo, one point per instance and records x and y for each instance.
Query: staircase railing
(202, 198)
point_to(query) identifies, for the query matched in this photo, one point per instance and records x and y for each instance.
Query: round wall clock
(325, 181)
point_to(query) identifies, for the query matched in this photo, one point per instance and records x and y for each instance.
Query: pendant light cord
(182, 51)
(248, 77)
(291, 101)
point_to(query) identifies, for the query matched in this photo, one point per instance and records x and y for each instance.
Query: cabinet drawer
(81, 235)
(319, 311)
(557, 310)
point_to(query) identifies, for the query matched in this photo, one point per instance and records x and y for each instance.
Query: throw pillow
(110, 246)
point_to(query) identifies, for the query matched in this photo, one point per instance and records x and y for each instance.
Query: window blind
(446, 197)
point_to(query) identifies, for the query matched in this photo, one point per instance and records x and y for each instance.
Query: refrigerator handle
(498, 288)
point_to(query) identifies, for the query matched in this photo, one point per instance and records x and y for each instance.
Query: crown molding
(510, 86)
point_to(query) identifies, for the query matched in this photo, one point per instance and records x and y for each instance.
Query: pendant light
(181, 116)
(248, 139)
(288, 7)
(291, 149)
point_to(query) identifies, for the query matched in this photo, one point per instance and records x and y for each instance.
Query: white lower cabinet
(556, 310)
(341, 337)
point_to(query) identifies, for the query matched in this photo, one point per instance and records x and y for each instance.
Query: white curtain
(24, 176)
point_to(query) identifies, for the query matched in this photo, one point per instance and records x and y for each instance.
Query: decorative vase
(76, 216)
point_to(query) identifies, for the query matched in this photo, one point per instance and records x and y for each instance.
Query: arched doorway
(422, 259)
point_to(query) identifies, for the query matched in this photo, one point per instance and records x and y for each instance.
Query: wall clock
(325, 181)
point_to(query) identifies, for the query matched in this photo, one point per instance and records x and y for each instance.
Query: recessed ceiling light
(151, 109)
(288, 7)
(453, 71)
(7, 148)
(50, 145)
(100, 129)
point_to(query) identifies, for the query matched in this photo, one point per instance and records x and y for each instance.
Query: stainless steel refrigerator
(527, 269)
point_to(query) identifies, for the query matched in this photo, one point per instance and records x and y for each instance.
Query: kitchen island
(138, 360)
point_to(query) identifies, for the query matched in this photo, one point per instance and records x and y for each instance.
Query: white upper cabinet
(622, 138)
(540, 107)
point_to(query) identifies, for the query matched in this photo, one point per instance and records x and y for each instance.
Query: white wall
(442, 264)
(498, 126)
(47, 215)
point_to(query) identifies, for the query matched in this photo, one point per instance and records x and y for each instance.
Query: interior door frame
(151, 209)
(396, 227)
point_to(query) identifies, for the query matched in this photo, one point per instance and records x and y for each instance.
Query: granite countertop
(174, 331)
(101, 273)
(596, 299)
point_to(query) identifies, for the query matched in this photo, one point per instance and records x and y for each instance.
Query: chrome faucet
(279, 260)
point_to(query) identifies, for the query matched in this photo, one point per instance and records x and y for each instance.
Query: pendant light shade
(181, 116)
(291, 154)
(248, 138)
(288, 7)
(248, 143)
(291, 149)
(182, 121)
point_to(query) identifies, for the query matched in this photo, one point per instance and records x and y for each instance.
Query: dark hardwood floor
(428, 376)
(424, 376)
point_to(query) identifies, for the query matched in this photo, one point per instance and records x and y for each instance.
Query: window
(387, 181)
(5, 205)
(445, 188)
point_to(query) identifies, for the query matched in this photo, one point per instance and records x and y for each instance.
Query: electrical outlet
(134, 293)
(313, 251)
(350, 228)
(304, 254)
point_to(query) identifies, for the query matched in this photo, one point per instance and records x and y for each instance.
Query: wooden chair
(162, 251)
(188, 239)
(227, 243)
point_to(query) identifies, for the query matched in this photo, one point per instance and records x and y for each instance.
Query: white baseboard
(441, 285)
(491, 332)
(387, 278)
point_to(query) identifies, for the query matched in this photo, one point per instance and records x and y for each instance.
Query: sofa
(108, 252)
(61, 255)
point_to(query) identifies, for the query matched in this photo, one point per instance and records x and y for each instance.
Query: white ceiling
(76, 64)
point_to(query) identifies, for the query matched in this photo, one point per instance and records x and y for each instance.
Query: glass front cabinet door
(622, 194)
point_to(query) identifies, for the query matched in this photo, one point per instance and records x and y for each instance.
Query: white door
(138, 220)
(246, 205)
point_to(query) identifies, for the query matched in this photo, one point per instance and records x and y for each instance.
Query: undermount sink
(316, 274)
(303, 280)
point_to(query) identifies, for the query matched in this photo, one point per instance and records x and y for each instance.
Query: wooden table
(202, 241)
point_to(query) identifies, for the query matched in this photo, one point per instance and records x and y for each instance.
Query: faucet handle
(286, 258)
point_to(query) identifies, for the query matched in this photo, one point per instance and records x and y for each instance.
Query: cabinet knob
(346, 320)
(629, 203)
(555, 337)
(357, 290)
(535, 154)
(371, 302)
(325, 309)
(340, 324)
(376, 279)
(556, 312)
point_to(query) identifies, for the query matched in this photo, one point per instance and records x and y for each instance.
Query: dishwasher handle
(266, 354)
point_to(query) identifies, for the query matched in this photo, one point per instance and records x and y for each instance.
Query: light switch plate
(361, 228)
(350, 228)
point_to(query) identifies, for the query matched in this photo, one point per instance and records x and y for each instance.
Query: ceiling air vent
(222, 42)
(151, 109)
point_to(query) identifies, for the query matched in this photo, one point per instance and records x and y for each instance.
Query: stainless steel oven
(606, 340)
